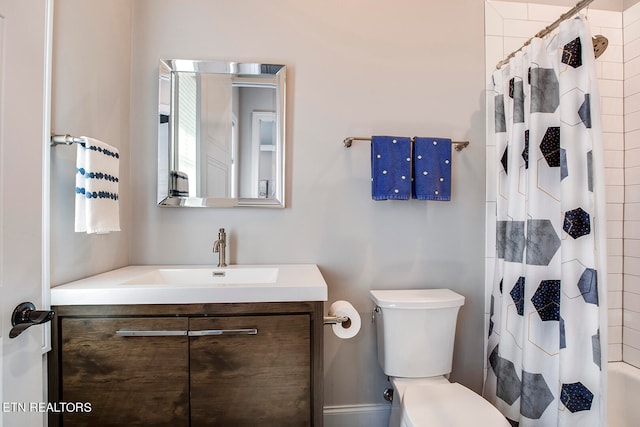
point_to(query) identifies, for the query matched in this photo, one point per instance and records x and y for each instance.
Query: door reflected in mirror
(221, 134)
(263, 146)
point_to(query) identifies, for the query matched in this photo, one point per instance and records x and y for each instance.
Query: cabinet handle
(208, 332)
(129, 333)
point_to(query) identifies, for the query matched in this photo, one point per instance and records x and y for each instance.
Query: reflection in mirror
(263, 135)
(221, 134)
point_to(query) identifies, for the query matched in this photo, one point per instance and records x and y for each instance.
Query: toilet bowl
(443, 404)
(415, 334)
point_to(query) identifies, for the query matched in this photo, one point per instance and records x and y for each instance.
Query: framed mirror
(221, 128)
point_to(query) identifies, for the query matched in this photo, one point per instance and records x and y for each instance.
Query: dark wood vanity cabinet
(257, 374)
(188, 365)
(127, 380)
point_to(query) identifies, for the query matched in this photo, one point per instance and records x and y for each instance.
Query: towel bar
(459, 145)
(63, 140)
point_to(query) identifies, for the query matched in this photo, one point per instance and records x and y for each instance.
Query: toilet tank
(416, 329)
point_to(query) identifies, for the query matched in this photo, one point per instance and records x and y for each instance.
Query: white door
(24, 59)
(215, 155)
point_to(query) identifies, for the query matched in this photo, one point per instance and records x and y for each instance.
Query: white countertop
(294, 282)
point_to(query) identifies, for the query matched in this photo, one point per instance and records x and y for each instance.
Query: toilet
(415, 335)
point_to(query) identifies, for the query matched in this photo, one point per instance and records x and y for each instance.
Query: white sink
(206, 276)
(195, 284)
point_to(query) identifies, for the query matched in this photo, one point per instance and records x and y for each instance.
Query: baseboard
(374, 415)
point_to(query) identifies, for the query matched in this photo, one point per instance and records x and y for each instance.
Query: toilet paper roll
(349, 329)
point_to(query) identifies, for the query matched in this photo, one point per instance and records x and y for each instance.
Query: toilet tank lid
(416, 298)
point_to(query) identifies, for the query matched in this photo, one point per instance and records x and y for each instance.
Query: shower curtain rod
(575, 9)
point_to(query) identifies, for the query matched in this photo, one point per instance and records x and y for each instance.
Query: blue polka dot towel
(432, 169)
(390, 168)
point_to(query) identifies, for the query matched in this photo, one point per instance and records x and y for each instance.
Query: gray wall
(354, 68)
(352, 71)
(91, 97)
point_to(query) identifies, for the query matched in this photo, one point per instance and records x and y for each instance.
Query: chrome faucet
(220, 247)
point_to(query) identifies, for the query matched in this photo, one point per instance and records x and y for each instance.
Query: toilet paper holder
(334, 320)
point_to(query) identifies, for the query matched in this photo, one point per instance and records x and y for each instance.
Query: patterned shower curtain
(546, 326)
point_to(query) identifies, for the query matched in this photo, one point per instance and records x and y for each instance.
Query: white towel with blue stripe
(97, 177)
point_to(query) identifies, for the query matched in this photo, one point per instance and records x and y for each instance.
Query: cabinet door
(241, 378)
(128, 380)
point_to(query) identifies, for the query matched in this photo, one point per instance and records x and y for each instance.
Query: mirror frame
(276, 77)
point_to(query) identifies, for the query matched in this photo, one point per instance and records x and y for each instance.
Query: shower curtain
(545, 364)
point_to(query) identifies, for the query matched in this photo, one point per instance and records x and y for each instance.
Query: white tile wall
(507, 26)
(631, 288)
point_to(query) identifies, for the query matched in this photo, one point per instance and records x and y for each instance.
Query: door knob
(26, 315)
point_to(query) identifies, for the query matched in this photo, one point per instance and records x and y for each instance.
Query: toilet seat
(447, 405)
